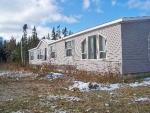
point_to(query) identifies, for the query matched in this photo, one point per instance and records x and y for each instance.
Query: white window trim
(54, 45)
(70, 48)
(85, 48)
(105, 47)
(43, 54)
(88, 47)
(97, 42)
(38, 53)
(32, 55)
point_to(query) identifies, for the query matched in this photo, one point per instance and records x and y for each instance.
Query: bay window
(84, 51)
(94, 47)
(102, 47)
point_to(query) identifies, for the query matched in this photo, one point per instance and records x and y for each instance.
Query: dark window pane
(69, 52)
(102, 55)
(92, 47)
(84, 56)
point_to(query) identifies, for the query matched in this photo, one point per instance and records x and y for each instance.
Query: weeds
(31, 95)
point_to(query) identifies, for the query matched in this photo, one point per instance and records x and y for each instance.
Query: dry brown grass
(30, 95)
(79, 75)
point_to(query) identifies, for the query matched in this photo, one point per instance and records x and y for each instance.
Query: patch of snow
(51, 97)
(106, 104)
(85, 87)
(144, 83)
(17, 74)
(147, 78)
(142, 99)
(90, 86)
(9, 100)
(18, 112)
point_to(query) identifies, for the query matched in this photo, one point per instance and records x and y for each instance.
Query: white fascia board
(135, 18)
(89, 29)
(32, 49)
(121, 20)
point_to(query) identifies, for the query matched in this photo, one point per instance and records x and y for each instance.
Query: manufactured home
(123, 44)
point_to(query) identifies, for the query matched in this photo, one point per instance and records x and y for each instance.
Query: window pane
(102, 55)
(102, 44)
(68, 45)
(53, 55)
(84, 56)
(92, 47)
(69, 52)
(52, 48)
(84, 46)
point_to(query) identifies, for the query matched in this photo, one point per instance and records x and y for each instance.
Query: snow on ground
(148, 78)
(142, 99)
(67, 98)
(18, 74)
(85, 87)
(144, 83)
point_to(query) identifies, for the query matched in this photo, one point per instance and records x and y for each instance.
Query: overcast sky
(76, 15)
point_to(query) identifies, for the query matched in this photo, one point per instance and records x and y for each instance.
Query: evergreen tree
(58, 32)
(65, 32)
(10, 50)
(53, 34)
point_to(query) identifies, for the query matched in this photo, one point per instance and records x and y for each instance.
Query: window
(149, 47)
(92, 47)
(39, 54)
(84, 52)
(44, 57)
(69, 48)
(102, 47)
(31, 56)
(52, 51)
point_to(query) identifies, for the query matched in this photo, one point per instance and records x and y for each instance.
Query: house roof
(120, 20)
(46, 41)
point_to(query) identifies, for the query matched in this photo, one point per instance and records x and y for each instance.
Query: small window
(44, 56)
(92, 47)
(102, 47)
(84, 52)
(31, 56)
(52, 51)
(68, 48)
(39, 54)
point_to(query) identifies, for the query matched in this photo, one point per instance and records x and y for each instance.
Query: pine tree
(53, 34)
(65, 32)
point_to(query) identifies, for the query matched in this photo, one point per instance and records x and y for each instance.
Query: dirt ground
(34, 94)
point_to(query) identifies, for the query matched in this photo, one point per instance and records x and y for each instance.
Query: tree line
(12, 51)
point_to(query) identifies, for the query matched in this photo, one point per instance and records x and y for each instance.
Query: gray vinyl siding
(37, 61)
(114, 54)
(135, 46)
